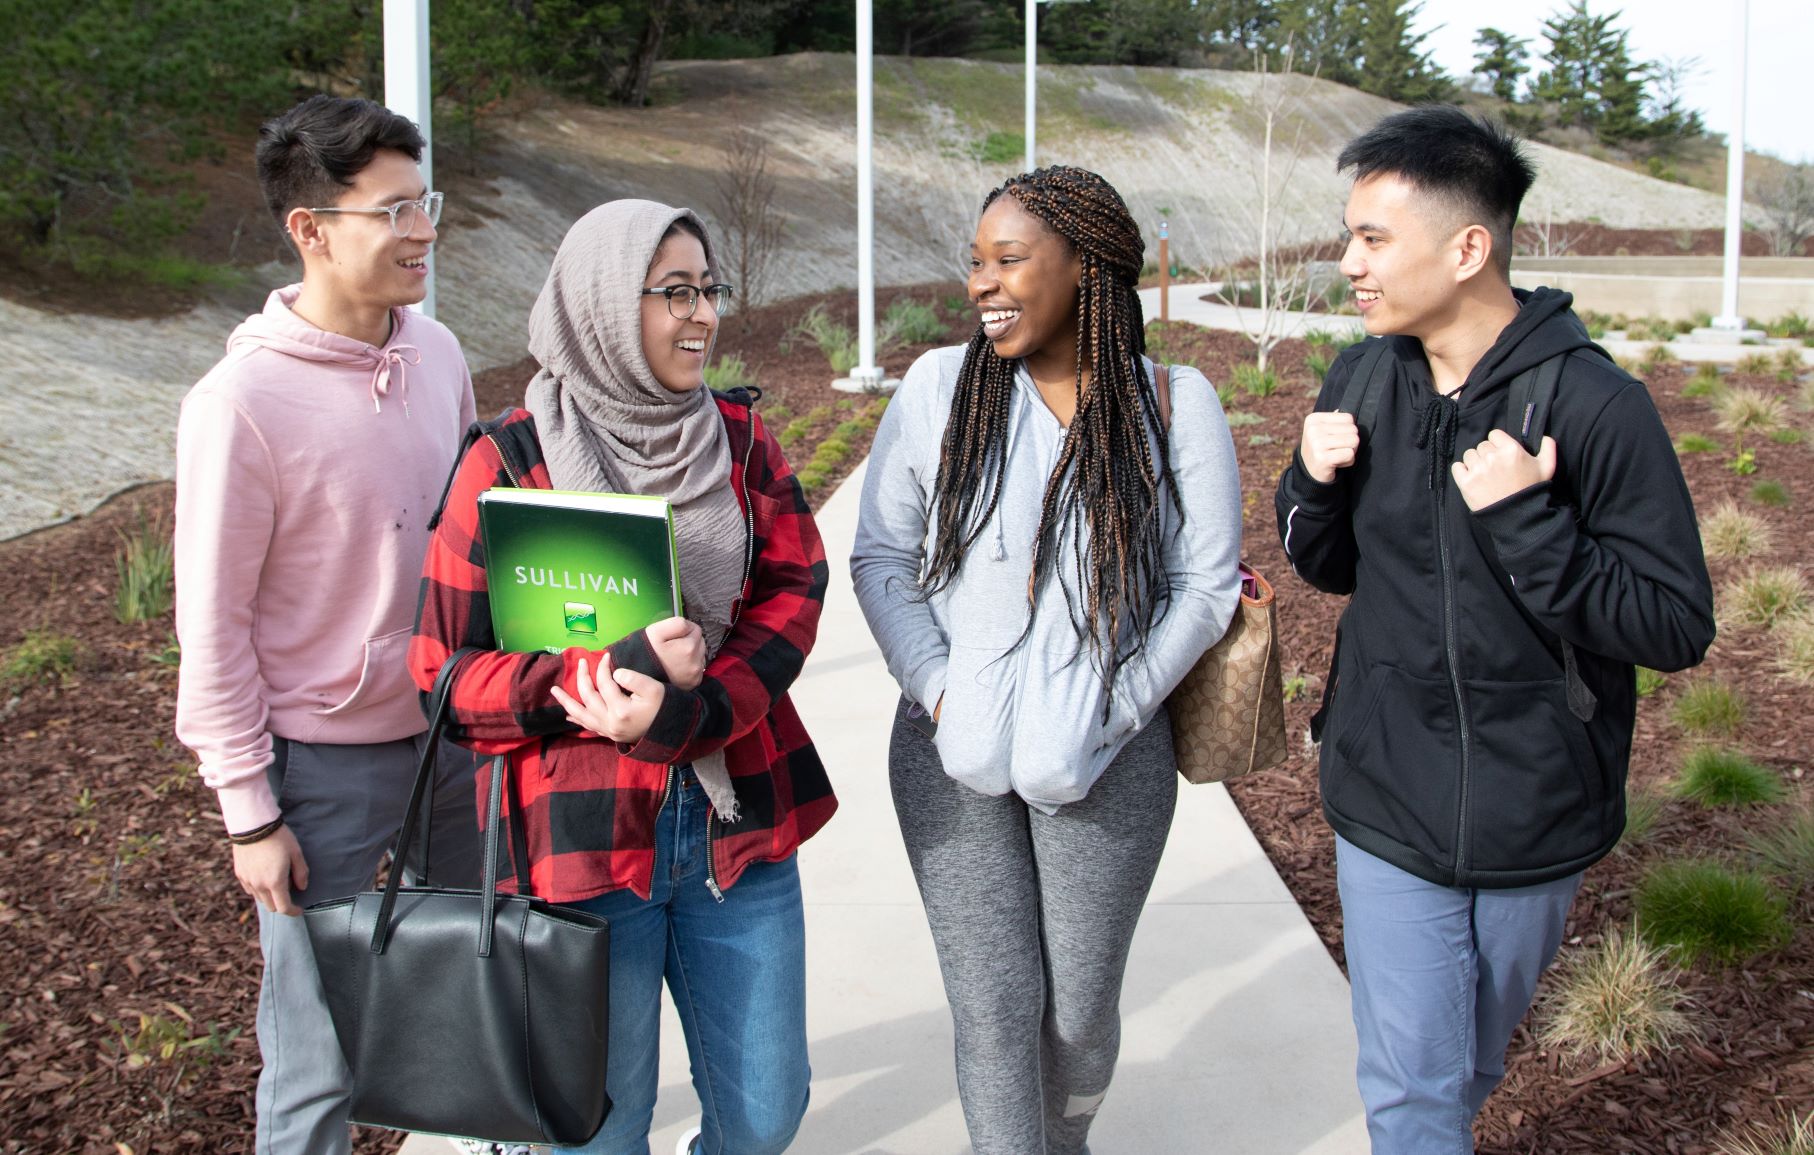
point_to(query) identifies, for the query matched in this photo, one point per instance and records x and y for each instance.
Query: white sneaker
(689, 1143)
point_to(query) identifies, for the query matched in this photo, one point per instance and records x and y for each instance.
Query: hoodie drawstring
(381, 376)
(1438, 434)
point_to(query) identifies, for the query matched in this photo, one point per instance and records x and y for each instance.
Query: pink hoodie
(307, 466)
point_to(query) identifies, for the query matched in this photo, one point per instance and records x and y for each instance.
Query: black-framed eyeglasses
(402, 214)
(683, 300)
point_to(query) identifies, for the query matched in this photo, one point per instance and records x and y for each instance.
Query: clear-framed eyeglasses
(683, 300)
(403, 214)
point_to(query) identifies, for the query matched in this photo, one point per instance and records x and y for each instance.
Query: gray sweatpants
(1032, 915)
(344, 804)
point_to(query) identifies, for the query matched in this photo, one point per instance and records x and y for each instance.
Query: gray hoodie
(1029, 719)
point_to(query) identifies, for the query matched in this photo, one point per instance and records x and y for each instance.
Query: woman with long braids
(1041, 560)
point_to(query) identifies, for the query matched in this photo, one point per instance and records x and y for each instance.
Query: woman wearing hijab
(665, 781)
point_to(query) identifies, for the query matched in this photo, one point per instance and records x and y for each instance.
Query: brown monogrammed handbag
(1228, 714)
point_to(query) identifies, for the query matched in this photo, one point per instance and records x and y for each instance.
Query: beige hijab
(607, 425)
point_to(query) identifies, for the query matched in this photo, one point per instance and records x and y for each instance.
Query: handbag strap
(425, 772)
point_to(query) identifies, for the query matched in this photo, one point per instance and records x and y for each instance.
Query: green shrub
(1757, 363)
(1612, 1002)
(1709, 707)
(820, 414)
(1650, 329)
(1789, 364)
(1786, 849)
(1730, 533)
(1695, 443)
(910, 322)
(40, 657)
(1789, 435)
(1701, 387)
(1225, 393)
(1716, 777)
(144, 576)
(843, 405)
(1766, 595)
(836, 341)
(1318, 364)
(855, 428)
(1237, 418)
(810, 478)
(777, 416)
(1705, 910)
(1255, 381)
(1789, 325)
(728, 373)
(1258, 439)
(1650, 681)
(831, 452)
(1771, 493)
(1655, 358)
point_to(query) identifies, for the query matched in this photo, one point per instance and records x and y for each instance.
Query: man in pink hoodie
(309, 461)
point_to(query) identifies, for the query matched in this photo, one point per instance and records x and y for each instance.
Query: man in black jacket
(1477, 720)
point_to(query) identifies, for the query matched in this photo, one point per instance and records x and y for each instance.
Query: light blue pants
(344, 804)
(1441, 977)
(737, 971)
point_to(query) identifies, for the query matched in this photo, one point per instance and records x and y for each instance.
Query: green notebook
(576, 569)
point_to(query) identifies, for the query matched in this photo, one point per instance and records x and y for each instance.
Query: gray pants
(344, 805)
(1032, 915)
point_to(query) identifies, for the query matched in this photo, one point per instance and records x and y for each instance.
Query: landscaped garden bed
(128, 956)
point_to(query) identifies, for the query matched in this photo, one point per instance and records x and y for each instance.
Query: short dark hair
(1475, 164)
(309, 155)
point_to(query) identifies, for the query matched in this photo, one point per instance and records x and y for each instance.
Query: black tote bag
(467, 1012)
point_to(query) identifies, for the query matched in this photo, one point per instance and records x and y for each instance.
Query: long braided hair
(1102, 500)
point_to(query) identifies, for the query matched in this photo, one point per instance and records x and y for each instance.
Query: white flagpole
(406, 90)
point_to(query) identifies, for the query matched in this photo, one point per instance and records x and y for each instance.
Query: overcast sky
(1782, 33)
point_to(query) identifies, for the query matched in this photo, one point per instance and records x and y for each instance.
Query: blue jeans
(737, 972)
(1441, 977)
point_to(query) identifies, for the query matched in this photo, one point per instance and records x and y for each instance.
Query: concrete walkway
(1187, 304)
(1236, 1036)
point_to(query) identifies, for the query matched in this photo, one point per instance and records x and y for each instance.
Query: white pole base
(867, 379)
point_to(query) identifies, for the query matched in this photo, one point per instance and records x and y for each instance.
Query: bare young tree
(1545, 238)
(750, 226)
(1282, 272)
(1787, 199)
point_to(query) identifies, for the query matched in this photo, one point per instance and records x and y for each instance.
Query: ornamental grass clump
(42, 657)
(1786, 850)
(1612, 1002)
(1718, 777)
(1643, 807)
(1709, 706)
(1795, 649)
(1733, 534)
(1766, 595)
(1705, 910)
(1792, 1136)
(144, 571)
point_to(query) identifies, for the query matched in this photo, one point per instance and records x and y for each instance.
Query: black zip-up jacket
(1448, 745)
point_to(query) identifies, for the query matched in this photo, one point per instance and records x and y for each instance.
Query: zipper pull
(711, 884)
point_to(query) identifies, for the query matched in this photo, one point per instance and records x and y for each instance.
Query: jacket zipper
(1454, 664)
(749, 567)
(505, 462)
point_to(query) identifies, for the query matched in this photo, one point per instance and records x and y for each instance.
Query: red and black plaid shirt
(589, 806)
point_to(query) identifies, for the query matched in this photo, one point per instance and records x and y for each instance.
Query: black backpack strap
(1529, 399)
(1527, 407)
(1361, 395)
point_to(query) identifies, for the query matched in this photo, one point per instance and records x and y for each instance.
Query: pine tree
(1503, 60)
(1392, 62)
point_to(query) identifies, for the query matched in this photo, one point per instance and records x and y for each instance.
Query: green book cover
(576, 569)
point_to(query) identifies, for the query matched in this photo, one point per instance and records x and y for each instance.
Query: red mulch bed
(117, 899)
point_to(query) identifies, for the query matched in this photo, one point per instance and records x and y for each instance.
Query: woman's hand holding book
(617, 704)
(681, 647)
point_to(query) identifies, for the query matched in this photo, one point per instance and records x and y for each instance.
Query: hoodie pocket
(383, 674)
(1539, 795)
(1395, 768)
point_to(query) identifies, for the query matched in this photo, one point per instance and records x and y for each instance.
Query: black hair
(1475, 164)
(1103, 498)
(309, 155)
